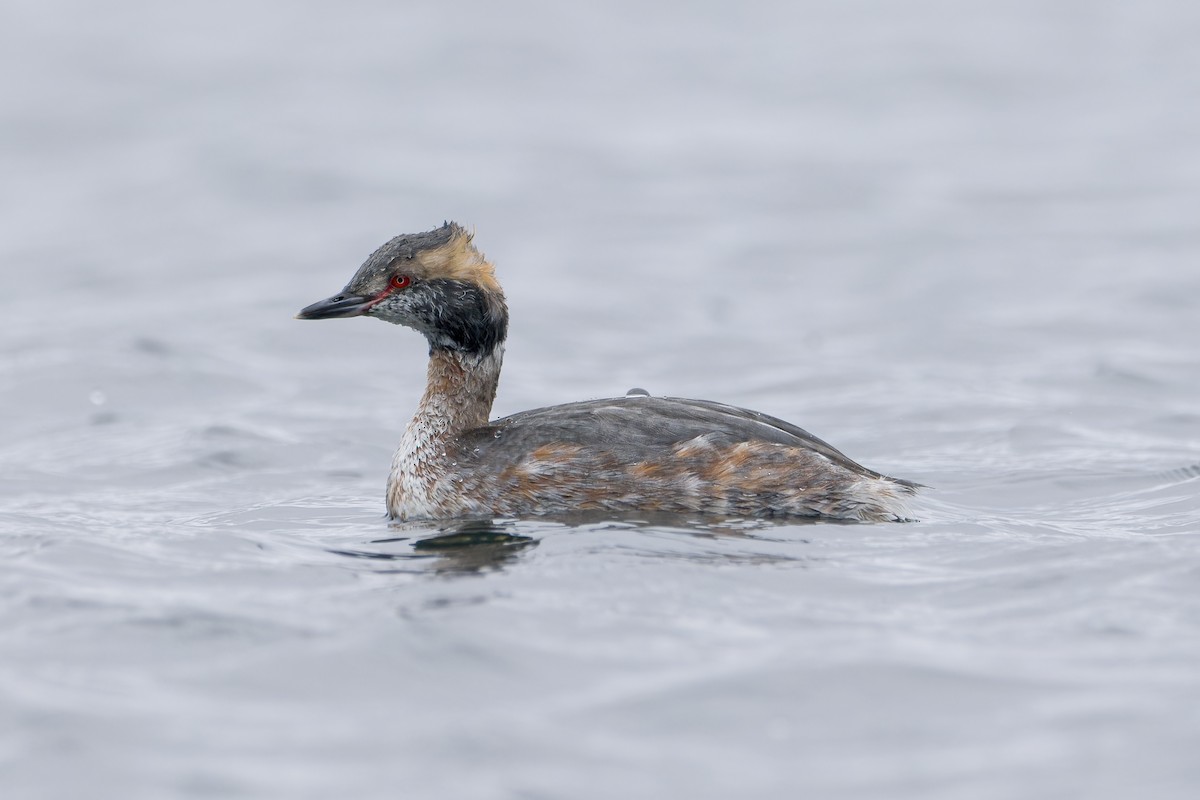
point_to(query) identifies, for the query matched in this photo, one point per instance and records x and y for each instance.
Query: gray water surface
(957, 240)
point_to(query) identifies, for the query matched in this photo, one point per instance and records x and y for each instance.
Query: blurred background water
(958, 240)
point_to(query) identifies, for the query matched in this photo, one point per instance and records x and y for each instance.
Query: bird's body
(630, 454)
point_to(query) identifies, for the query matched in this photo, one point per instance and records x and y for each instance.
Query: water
(957, 241)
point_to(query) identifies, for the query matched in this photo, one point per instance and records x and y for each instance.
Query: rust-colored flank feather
(632, 454)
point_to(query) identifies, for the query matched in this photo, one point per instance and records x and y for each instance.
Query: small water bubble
(496, 434)
(637, 391)
(97, 397)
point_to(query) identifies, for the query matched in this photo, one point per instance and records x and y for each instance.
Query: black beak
(342, 305)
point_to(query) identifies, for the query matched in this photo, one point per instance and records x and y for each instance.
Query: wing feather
(631, 427)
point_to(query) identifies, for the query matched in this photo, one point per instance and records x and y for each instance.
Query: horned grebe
(629, 454)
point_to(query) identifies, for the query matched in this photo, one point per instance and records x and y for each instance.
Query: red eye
(400, 281)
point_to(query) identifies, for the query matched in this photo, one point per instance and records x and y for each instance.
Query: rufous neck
(460, 390)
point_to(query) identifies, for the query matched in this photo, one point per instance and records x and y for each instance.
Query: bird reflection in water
(470, 546)
(484, 545)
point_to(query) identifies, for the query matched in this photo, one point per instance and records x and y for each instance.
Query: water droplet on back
(637, 391)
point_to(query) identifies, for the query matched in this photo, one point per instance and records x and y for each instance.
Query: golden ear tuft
(458, 259)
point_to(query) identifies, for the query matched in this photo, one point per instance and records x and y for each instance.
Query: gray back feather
(631, 427)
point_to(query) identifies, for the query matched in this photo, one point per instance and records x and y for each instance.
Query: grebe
(629, 454)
